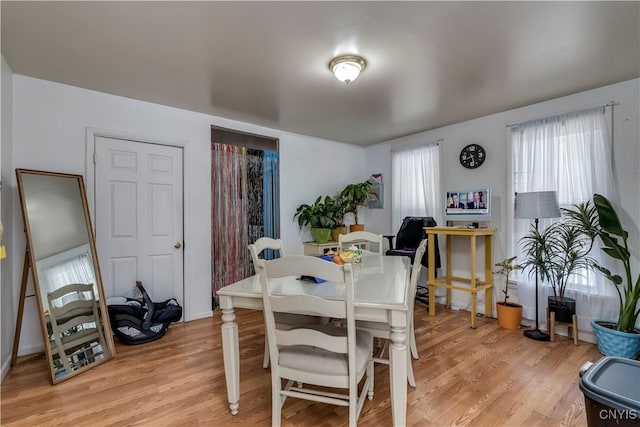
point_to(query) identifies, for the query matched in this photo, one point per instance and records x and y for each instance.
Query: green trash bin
(611, 388)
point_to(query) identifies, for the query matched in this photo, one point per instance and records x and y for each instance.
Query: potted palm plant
(318, 216)
(353, 196)
(509, 313)
(557, 253)
(600, 220)
(338, 227)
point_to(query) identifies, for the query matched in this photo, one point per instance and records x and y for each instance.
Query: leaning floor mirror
(61, 256)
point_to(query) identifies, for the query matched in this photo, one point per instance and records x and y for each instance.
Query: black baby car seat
(141, 321)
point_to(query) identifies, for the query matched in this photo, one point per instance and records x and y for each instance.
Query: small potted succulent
(509, 313)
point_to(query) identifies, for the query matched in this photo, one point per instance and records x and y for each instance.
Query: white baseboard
(462, 304)
(22, 351)
(201, 315)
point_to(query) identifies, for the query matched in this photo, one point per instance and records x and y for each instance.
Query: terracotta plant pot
(335, 232)
(509, 315)
(356, 227)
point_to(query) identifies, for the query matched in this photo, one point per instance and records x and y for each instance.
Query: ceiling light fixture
(347, 68)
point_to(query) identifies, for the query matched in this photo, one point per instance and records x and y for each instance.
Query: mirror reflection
(65, 271)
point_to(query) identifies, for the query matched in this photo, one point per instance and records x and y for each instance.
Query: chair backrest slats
(308, 304)
(75, 306)
(266, 243)
(257, 247)
(75, 315)
(416, 269)
(312, 337)
(344, 240)
(78, 320)
(311, 266)
(68, 289)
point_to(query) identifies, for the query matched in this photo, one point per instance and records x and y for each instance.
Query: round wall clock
(472, 156)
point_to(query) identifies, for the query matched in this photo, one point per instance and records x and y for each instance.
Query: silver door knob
(177, 245)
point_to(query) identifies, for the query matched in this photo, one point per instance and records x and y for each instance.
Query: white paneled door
(139, 217)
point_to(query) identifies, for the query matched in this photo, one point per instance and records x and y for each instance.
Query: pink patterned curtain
(229, 223)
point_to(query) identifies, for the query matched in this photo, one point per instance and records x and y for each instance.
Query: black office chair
(408, 239)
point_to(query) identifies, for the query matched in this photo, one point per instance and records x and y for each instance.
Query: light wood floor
(484, 377)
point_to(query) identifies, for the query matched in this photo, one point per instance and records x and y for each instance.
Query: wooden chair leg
(575, 329)
(552, 326)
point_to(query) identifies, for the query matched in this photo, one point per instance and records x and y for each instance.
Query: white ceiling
(429, 63)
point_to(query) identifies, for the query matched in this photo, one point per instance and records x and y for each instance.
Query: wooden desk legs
(432, 272)
(448, 270)
(488, 276)
(487, 285)
(473, 284)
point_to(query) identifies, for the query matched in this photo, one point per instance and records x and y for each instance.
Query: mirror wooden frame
(91, 353)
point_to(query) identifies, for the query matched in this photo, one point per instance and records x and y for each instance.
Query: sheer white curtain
(416, 183)
(78, 269)
(571, 154)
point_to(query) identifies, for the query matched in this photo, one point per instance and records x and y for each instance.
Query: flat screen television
(473, 205)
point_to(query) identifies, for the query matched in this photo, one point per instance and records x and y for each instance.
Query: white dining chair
(345, 240)
(256, 249)
(331, 357)
(76, 326)
(383, 330)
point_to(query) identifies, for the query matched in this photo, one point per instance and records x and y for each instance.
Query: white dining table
(381, 295)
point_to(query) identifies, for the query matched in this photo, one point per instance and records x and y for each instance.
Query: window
(569, 154)
(415, 183)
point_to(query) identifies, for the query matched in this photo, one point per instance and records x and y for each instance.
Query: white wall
(49, 133)
(491, 133)
(7, 315)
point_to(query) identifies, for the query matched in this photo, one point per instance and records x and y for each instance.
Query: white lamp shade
(537, 204)
(346, 71)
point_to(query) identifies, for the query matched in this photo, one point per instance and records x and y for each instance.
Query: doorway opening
(244, 200)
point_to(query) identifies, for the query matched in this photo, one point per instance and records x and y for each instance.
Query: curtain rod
(608, 104)
(417, 145)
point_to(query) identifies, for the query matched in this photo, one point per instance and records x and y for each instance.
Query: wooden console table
(448, 281)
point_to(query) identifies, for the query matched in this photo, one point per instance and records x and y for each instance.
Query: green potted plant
(600, 220)
(509, 313)
(556, 253)
(318, 216)
(353, 196)
(339, 206)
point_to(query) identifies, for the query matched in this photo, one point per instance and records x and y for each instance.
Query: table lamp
(535, 205)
